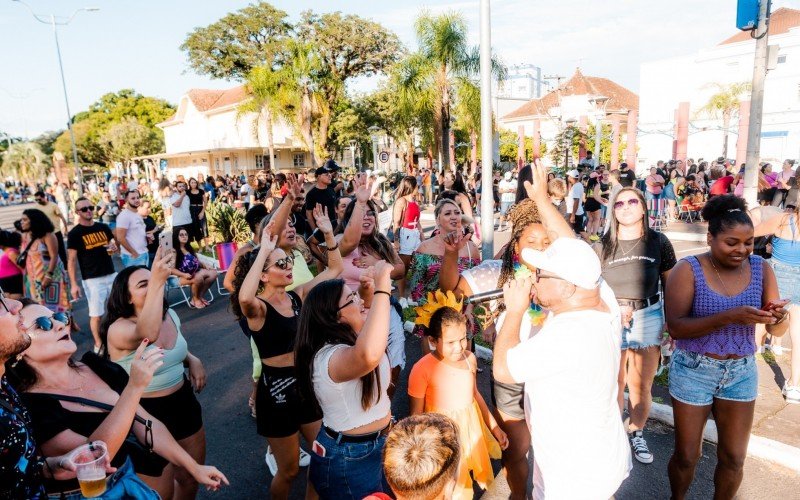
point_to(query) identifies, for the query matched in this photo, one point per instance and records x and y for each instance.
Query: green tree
(442, 41)
(25, 161)
(241, 41)
(725, 104)
(267, 100)
(47, 140)
(129, 138)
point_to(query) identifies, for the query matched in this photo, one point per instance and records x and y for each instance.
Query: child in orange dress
(444, 382)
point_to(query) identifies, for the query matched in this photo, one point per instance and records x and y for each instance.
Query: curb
(758, 447)
(680, 236)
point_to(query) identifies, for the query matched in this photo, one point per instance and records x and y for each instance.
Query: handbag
(147, 461)
(22, 258)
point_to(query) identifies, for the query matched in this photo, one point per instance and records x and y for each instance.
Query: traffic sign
(383, 156)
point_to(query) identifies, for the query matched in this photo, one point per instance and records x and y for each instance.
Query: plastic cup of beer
(109, 246)
(90, 466)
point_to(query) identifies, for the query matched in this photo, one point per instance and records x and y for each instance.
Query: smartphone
(165, 240)
(775, 304)
(317, 448)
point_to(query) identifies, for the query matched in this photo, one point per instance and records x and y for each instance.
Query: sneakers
(791, 393)
(640, 450)
(272, 464)
(777, 350)
(594, 237)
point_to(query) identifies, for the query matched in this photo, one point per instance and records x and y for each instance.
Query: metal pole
(78, 177)
(756, 106)
(598, 129)
(487, 198)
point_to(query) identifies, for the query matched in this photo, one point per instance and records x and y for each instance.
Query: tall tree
(128, 138)
(725, 104)
(232, 47)
(25, 161)
(267, 100)
(442, 41)
(411, 87)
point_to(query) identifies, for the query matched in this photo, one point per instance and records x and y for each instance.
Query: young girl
(444, 382)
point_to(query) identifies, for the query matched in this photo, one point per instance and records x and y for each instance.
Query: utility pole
(487, 200)
(756, 104)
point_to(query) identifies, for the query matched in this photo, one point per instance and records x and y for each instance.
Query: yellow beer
(93, 484)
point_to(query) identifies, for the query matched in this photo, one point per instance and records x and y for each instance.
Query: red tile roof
(780, 22)
(206, 99)
(620, 98)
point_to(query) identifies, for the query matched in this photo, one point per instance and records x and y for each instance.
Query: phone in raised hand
(165, 241)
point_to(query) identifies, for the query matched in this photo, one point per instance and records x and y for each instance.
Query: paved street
(237, 450)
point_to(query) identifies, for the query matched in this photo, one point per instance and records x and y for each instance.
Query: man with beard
(22, 468)
(322, 193)
(131, 232)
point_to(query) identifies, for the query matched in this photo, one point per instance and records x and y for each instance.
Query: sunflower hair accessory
(436, 301)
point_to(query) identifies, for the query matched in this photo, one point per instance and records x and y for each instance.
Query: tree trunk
(445, 151)
(726, 121)
(410, 152)
(270, 140)
(305, 127)
(473, 152)
(324, 123)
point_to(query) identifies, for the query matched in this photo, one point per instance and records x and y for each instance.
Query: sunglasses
(45, 323)
(90, 208)
(631, 203)
(545, 275)
(354, 297)
(283, 263)
(369, 213)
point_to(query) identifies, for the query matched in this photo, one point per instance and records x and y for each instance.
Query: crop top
(787, 250)
(171, 372)
(411, 215)
(341, 401)
(277, 335)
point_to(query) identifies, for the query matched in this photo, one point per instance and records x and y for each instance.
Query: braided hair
(521, 215)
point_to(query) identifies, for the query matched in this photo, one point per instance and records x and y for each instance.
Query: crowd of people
(321, 291)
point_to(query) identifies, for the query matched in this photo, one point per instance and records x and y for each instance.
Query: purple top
(731, 339)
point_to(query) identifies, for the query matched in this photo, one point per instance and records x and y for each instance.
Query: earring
(17, 360)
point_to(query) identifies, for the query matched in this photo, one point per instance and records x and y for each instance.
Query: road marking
(695, 249)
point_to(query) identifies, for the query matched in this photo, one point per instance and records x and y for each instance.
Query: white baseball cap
(568, 258)
(574, 173)
(507, 176)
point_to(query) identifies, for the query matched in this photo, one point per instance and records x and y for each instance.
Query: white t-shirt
(580, 448)
(575, 193)
(136, 235)
(511, 195)
(181, 216)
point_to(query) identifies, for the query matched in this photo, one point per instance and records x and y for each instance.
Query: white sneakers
(640, 450)
(791, 393)
(272, 464)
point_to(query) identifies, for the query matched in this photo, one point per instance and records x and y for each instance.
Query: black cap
(623, 165)
(328, 167)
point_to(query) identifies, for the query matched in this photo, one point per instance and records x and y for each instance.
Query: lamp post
(353, 153)
(373, 134)
(52, 22)
(600, 103)
(568, 136)
(487, 202)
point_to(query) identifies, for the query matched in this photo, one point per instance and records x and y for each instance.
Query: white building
(692, 78)
(523, 83)
(206, 136)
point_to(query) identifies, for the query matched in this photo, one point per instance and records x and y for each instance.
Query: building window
(262, 161)
(299, 160)
(782, 59)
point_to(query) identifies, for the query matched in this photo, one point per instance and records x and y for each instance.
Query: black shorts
(180, 411)
(12, 284)
(278, 407)
(198, 229)
(577, 226)
(509, 399)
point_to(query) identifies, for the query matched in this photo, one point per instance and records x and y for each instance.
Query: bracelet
(376, 292)
(334, 247)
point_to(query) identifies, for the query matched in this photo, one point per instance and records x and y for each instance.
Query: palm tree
(415, 101)
(267, 98)
(25, 161)
(442, 43)
(468, 111)
(725, 104)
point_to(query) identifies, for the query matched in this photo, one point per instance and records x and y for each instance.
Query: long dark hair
(119, 304)
(521, 215)
(610, 240)
(176, 244)
(319, 326)
(407, 186)
(377, 241)
(39, 224)
(243, 265)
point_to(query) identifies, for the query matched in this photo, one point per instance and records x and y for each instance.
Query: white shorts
(97, 292)
(409, 240)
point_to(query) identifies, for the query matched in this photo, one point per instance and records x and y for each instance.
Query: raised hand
(537, 190)
(322, 220)
(294, 186)
(517, 295)
(455, 241)
(144, 365)
(363, 188)
(268, 240)
(163, 263)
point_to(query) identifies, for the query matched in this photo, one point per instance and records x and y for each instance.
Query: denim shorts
(697, 380)
(128, 261)
(348, 470)
(788, 284)
(646, 328)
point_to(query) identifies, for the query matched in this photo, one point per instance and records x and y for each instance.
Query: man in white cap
(508, 190)
(580, 448)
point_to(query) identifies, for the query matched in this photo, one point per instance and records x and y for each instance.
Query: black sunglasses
(283, 263)
(353, 297)
(631, 203)
(45, 323)
(90, 208)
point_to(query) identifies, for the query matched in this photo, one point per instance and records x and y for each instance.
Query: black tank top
(277, 335)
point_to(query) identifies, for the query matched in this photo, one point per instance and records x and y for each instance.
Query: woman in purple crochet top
(713, 302)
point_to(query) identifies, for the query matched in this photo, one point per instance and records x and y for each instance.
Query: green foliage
(558, 151)
(156, 209)
(25, 161)
(509, 145)
(47, 140)
(130, 138)
(226, 224)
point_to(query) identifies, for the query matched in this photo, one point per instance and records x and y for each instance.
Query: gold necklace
(724, 287)
(636, 244)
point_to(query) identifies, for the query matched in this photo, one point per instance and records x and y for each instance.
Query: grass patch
(658, 399)
(479, 341)
(769, 358)
(663, 379)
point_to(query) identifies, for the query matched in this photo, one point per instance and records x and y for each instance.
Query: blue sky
(135, 44)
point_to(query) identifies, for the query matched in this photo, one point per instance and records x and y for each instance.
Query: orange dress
(450, 391)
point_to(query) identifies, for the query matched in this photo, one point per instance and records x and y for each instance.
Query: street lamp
(373, 134)
(600, 102)
(52, 21)
(568, 136)
(353, 153)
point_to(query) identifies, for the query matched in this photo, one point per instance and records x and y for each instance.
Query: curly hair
(39, 223)
(521, 215)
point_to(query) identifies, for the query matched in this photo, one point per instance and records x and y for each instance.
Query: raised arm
(251, 307)
(335, 265)
(356, 361)
(552, 220)
(352, 233)
(449, 276)
(281, 215)
(517, 296)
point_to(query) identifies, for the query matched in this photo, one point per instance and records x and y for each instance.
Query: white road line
(695, 249)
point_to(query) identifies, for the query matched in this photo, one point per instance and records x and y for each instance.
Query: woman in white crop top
(341, 363)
